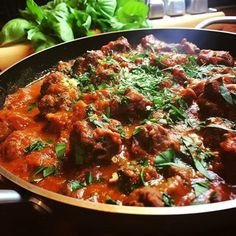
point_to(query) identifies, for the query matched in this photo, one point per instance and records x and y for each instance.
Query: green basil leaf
(37, 146)
(60, 149)
(89, 177)
(75, 185)
(227, 95)
(165, 157)
(200, 187)
(79, 155)
(132, 12)
(14, 31)
(168, 200)
(106, 7)
(111, 201)
(50, 170)
(36, 11)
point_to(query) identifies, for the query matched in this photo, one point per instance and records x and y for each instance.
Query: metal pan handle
(9, 196)
(216, 20)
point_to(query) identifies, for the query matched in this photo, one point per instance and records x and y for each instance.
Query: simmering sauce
(145, 125)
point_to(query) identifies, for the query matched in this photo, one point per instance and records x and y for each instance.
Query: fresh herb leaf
(14, 31)
(37, 146)
(143, 162)
(32, 106)
(218, 127)
(45, 171)
(228, 95)
(109, 200)
(167, 200)
(136, 130)
(199, 157)
(60, 149)
(165, 158)
(89, 179)
(200, 187)
(108, 112)
(75, 185)
(79, 155)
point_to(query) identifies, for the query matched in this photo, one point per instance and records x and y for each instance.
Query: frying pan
(197, 218)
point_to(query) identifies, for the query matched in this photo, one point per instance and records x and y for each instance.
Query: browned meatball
(131, 105)
(212, 103)
(13, 147)
(229, 144)
(57, 93)
(90, 143)
(10, 121)
(187, 47)
(85, 62)
(151, 140)
(119, 45)
(215, 58)
(146, 196)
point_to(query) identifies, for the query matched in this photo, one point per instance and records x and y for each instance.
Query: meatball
(131, 105)
(146, 196)
(93, 143)
(151, 140)
(187, 47)
(57, 93)
(10, 121)
(84, 63)
(229, 144)
(120, 45)
(13, 147)
(215, 58)
(212, 102)
(133, 175)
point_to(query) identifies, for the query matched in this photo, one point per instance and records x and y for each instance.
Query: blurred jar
(196, 6)
(174, 7)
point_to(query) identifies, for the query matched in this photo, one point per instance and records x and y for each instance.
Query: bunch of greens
(64, 20)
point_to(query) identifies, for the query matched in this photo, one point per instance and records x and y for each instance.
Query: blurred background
(9, 8)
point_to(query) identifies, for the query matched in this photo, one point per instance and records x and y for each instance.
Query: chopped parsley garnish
(89, 179)
(37, 146)
(111, 201)
(32, 106)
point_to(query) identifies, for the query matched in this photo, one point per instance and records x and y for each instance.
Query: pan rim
(182, 210)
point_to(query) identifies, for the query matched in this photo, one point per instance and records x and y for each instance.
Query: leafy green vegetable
(199, 157)
(167, 200)
(45, 171)
(60, 149)
(37, 146)
(63, 20)
(200, 188)
(89, 179)
(165, 158)
(75, 185)
(79, 155)
(109, 200)
(14, 31)
(132, 14)
(229, 96)
(32, 106)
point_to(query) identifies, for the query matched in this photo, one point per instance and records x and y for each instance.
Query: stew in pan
(145, 125)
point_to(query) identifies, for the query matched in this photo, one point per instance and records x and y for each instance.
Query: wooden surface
(188, 21)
